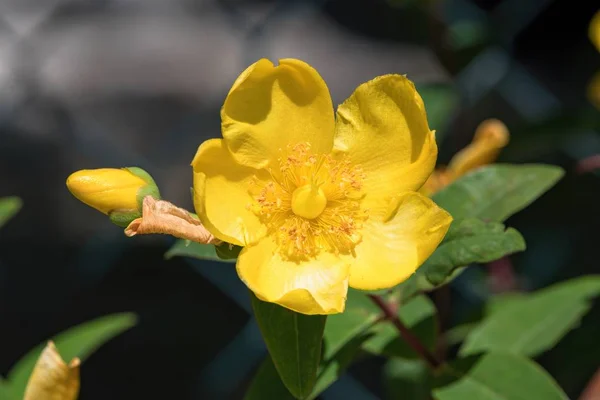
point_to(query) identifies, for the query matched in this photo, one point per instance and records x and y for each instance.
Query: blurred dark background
(111, 83)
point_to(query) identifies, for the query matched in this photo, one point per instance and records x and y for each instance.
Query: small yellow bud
(117, 193)
(439, 179)
(52, 379)
(490, 137)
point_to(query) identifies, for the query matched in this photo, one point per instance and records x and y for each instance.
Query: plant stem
(407, 335)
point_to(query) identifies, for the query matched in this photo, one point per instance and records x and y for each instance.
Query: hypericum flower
(118, 193)
(52, 378)
(490, 138)
(319, 203)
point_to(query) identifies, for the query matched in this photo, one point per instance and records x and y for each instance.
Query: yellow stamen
(308, 201)
(311, 203)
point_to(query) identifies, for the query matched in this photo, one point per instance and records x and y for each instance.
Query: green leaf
(186, 248)
(407, 379)
(502, 300)
(418, 315)
(470, 241)
(496, 192)
(266, 384)
(360, 314)
(5, 392)
(497, 376)
(458, 333)
(441, 101)
(9, 206)
(336, 366)
(344, 334)
(80, 341)
(533, 324)
(294, 343)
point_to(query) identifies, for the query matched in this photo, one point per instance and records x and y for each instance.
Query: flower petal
(221, 195)
(317, 286)
(390, 251)
(52, 378)
(270, 106)
(383, 128)
(490, 137)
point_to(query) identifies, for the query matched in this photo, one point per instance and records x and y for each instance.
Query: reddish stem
(391, 315)
(588, 164)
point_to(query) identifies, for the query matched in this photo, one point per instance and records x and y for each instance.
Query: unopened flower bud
(52, 378)
(439, 179)
(490, 138)
(118, 193)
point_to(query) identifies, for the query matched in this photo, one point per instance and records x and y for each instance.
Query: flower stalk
(390, 314)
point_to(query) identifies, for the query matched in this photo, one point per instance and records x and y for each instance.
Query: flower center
(308, 201)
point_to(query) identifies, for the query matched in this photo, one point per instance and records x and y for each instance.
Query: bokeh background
(111, 83)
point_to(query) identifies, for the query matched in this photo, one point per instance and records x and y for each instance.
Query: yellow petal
(106, 189)
(270, 106)
(221, 195)
(390, 251)
(383, 128)
(52, 379)
(317, 286)
(594, 30)
(490, 137)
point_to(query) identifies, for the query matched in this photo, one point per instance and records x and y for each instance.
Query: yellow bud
(437, 180)
(52, 379)
(594, 30)
(111, 190)
(490, 137)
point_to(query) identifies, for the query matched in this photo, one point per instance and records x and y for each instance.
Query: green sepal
(151, 189)
(123, 218)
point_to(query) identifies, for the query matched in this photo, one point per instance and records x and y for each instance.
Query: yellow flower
(490, 138)
(319, 202)
(117, 193)
(52, 379)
